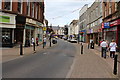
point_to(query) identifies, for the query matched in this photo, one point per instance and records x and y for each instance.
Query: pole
(21, 49)
(115, 65)
(34, 47)
(43, 43)
(50, 40)
(81, 48)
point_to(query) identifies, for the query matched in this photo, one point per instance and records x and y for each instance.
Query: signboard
(114, 23)
(106, 25)
(44, 28)
(30, 21)
(5, 19)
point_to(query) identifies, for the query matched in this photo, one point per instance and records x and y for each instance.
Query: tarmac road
(54, 62)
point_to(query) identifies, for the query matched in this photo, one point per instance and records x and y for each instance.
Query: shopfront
(82, 36)
(116, 24)
(7, 25)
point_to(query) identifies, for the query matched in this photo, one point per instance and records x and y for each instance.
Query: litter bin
(92, 45)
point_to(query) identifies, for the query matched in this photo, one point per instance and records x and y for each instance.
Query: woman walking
(113, 46)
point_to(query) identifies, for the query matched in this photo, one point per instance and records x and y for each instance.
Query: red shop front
(117, 24)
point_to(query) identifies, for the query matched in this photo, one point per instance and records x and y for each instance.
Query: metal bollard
(21, 49)
(88, 45)
(81, 49)
(115, 65)
(34, 47)
(43, 45)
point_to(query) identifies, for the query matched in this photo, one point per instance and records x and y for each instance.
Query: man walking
(104, 46)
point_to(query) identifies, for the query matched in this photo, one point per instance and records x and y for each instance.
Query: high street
(54, 62)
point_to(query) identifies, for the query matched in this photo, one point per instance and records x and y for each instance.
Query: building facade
(73, 29)
(21, 21)
(83, 23)
(111, 22)
(94, 23)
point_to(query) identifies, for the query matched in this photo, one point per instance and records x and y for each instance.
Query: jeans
(104, 52)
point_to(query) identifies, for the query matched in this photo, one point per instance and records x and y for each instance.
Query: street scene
(64, 39)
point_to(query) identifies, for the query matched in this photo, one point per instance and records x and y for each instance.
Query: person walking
(112, 46)
(33, 41)
(104, 46)
(44, 41)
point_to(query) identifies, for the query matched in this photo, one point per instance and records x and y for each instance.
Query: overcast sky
(62, 12)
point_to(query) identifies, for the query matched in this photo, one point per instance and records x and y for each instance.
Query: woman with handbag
(113, 46)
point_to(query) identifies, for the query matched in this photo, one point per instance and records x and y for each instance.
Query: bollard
(50, 41)
(81, 49)
(88, 45)
(43, 45)
(34, 47)
(21, 49)
(115, 65)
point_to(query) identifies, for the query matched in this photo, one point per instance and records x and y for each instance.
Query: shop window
(20, 6)
(6, 36)
(8, 5)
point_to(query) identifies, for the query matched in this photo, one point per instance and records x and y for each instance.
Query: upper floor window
(20, 6)
(36, 12)
(28, 8)
(8, 4)
(115, 6)
(110, 7)
(32, 9)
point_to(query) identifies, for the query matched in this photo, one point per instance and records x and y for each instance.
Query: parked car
(73, 41)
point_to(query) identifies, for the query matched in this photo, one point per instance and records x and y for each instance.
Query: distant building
(73, 28)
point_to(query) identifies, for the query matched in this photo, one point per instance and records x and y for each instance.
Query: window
(110, 7)
(8, 5)
(32, 9)
(0, 4)
(20, 6)
(36, 11)
(28, 8)
(115, 6)
(97, 12)
(101, 8)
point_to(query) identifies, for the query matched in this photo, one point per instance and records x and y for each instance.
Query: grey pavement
(91, 65)
(14, 53)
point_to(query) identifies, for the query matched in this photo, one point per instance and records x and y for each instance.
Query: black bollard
(43, 45)
(50, 41)
(81, 49)
(21, 49)
(115, 65)
(34, 47)
(88, 45)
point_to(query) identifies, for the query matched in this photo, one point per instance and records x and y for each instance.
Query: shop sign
(114, 23)
(44, 28)
(106, 25)
(4, 19)
(30, 21)
(39, 24)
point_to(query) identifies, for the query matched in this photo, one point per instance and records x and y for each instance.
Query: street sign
(44, 28)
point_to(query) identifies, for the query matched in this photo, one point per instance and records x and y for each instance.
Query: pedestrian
(33, 41)
(103, 46)
(37, 41)
(112, 47)
(44, 40)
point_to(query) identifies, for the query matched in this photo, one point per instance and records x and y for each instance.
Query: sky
(62, 12)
